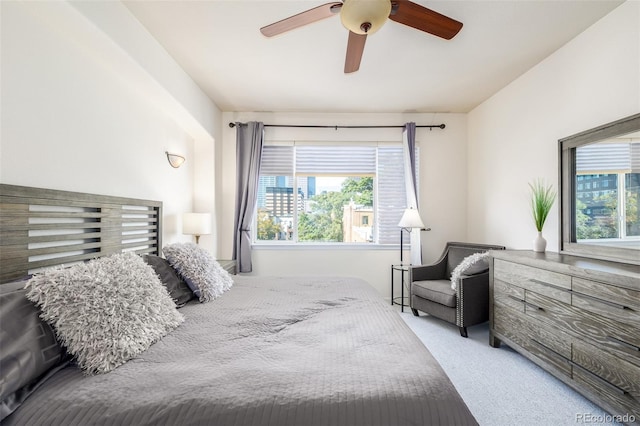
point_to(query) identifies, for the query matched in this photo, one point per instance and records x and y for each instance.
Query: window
(325, 193)
(610, 214)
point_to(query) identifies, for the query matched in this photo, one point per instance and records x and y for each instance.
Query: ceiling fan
(364, 17)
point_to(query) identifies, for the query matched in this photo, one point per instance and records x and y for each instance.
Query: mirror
(600, 192)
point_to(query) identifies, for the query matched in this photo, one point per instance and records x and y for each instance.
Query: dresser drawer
(622, 339)
(548, 283)
(616, 380)
(509, 295)
(610, 301)
(551, 347)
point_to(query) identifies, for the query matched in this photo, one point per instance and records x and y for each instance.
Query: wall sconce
(196, 224)
(175, 160)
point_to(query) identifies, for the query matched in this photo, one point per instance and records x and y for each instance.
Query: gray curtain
(249, 138)
(409, 150)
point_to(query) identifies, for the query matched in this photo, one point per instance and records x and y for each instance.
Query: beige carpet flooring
(500, 386)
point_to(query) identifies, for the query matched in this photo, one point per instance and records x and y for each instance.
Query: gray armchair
(430, 287)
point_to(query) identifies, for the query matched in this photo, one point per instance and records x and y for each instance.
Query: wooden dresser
(577, 318)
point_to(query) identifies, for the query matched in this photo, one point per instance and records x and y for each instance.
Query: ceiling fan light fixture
(364, 16)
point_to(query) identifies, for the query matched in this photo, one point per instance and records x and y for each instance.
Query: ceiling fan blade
(307, 17)
(355, 47)
(419, 17)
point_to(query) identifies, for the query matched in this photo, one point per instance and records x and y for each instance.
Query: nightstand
(228, 265)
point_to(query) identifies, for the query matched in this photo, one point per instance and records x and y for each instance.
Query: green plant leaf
(542, 199)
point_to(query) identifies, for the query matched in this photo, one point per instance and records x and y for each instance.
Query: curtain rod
(439, 126)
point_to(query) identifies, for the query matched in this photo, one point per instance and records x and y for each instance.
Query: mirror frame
(567, 152)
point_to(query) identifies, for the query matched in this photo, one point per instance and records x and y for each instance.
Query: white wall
(513, 136)
(442, 191)
(80, 113)
(90, 102)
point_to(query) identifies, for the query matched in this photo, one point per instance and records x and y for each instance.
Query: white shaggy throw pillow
(204, 275)
(465, 265)
(105, 311)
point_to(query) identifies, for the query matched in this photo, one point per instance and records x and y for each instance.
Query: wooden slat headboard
(41, 227)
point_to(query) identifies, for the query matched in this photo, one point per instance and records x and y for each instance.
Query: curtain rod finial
(232, 125)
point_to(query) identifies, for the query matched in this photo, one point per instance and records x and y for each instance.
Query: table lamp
(196, 224)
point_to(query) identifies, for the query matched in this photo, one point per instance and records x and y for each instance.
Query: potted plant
(542, 198)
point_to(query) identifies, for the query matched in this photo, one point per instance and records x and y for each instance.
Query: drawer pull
(599, 379)
(551, 350)
(606, 302)
(557, 287)
(531, 305)
(623, 343)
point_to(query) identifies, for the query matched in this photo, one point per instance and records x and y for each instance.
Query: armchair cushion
(438, 291)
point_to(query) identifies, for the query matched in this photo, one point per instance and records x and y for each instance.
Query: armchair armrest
(472, 292)
(435, 271)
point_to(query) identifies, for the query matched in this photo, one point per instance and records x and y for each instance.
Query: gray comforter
(278, 351)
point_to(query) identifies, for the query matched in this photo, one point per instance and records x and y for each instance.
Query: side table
(228, 265)
(403, 269)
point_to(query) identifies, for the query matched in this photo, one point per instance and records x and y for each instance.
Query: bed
(269, 351)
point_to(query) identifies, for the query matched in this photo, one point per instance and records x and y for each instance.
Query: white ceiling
(219, 44)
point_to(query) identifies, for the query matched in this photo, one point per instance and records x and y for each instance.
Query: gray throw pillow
(474, 264)
(105, 311)
(178, 289)
(29, 351)
(204, 275)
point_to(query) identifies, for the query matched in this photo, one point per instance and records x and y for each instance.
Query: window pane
(632, 194)
(337, 212)
(276, 204)
(596, 211)
(608, 189)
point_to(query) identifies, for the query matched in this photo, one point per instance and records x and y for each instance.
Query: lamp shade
(411, 219)
(196, 223)
(364, 16)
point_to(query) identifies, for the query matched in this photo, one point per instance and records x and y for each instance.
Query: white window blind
(392, 198)
(605, 158)
(335, 160)
(277, 160)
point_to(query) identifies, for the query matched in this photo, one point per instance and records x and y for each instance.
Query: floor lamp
(410, 221)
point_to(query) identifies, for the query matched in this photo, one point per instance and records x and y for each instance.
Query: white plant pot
(539, 243)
